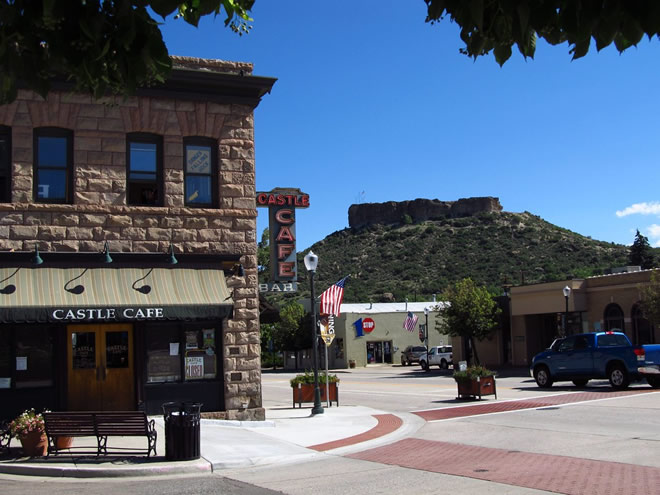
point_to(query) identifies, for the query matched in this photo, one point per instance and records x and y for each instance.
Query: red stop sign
(368, 325)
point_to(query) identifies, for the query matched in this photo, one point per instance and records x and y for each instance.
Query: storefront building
(602, 303)
(144, 286)
(373, 334)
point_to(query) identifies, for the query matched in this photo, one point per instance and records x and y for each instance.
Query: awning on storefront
(70, 295)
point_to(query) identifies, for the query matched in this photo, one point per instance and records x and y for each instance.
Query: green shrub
(472, 372)
(308, 378)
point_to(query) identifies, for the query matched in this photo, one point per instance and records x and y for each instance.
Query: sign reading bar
(282, 204)
(278, 287)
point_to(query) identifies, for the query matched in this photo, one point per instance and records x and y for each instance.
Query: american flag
(410, 321)
(331, 298)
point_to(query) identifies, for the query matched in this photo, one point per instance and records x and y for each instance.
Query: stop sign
(368, 325)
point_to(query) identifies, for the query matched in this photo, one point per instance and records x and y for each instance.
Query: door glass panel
(116, 349)
(83, 350)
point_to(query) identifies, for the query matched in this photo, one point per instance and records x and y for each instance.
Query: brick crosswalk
(560, 474)
(516, 405)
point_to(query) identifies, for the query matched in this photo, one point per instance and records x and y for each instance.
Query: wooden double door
(100, 367)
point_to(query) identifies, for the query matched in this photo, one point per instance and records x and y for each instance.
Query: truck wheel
(618, 377)
(542, 376)
(425, 366)
(403, 362)
(654, 381)
(580, 383)
(444, 365)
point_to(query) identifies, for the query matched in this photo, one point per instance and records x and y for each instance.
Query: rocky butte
(419, 210)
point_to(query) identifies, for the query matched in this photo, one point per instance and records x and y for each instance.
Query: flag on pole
(410, 321)
(331, 298)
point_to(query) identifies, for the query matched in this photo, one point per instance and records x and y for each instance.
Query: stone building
(143, 213)
(542, 312)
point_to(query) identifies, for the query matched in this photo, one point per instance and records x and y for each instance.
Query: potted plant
(303, 387)
(475, 381)
(29, 428)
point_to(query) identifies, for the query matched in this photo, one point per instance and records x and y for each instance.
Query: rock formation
(361, 215)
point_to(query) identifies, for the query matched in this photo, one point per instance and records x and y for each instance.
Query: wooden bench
(100, 425)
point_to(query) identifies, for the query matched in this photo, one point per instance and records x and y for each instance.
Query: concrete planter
(475, 388)
(304, 392)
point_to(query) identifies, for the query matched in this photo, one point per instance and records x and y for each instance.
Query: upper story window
(5, 164)
(53, 165)
(200, 172)
(145, 169)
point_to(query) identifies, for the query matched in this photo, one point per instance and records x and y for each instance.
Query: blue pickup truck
(580, 358)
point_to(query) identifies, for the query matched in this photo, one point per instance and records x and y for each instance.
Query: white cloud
(652, 208)
(654, 233)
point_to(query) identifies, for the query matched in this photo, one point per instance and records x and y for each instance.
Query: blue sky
(372, 105)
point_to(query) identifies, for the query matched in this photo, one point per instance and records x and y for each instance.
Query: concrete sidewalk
(287, 435)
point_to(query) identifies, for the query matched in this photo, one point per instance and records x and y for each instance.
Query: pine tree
(640, 252)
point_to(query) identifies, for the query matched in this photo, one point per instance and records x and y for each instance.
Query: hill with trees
(413, 261)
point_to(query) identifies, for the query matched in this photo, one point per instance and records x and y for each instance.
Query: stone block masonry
(99, 211)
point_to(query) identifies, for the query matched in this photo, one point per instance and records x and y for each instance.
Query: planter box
(305, 393)
(470, 389)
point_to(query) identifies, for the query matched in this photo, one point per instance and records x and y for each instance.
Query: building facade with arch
(600, 303)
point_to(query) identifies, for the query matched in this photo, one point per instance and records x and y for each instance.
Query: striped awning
(67, 295)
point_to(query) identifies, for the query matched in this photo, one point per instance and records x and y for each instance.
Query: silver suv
(412, 354)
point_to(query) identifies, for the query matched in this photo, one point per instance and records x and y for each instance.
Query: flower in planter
(308, 378)
(27, 422)
(472, 373)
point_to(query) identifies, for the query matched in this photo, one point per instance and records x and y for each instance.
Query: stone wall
(99, 211)
(419, 210)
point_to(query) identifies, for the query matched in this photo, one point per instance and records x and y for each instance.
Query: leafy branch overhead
(100, 46)
(497, 25)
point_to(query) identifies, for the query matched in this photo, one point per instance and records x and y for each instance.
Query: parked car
(440, 355)
(411, 354)
(580, 358)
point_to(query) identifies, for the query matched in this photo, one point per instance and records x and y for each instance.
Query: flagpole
(327, 385)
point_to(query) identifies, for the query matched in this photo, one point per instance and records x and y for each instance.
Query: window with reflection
(163, 354)
(5, 164)
(178, 353)
(200, 176)
(83, 350)
(116, 349)
(613, 318)
(34, 357)
(53, 164)
(144, 169)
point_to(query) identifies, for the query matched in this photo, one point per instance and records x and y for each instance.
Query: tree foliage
(100, 46)
(497, 25)
(293, 331)
(472, 313)
(641, 252)
(651, 299)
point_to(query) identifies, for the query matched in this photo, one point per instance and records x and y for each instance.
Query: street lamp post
(426, 337)
(567, 292)
(311, 262)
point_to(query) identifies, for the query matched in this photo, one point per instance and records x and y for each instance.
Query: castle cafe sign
(282, 204)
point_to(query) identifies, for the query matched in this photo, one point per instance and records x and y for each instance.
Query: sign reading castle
(282, 204)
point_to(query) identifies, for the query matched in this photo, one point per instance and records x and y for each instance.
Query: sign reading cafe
(282, 204)
(113, 314)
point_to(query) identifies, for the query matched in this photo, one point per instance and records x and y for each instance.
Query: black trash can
(182, 430)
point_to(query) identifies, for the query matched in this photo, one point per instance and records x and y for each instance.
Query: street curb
(197, 466)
